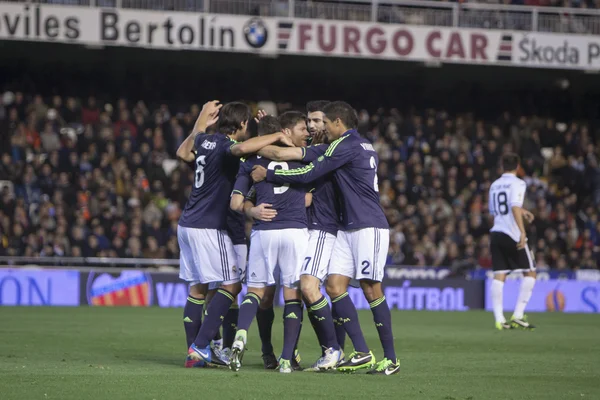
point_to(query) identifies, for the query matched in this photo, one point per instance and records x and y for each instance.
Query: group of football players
(317, 221)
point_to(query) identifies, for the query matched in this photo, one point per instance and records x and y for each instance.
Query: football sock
(497, 288)
(527, 285)
(192, 318)
(247, 311)
(340, 332)
(299, 329)
(383, 322)
(348, 317)
(264, 319)
(215, 314)
(291, 326)
(229, 325)
(323, 323)
(218, 336)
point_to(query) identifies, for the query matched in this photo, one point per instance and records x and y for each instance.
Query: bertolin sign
(150, 29)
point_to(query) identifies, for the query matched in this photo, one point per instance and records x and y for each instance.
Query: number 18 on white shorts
(360, 253)
(206, 255)
(276, 257)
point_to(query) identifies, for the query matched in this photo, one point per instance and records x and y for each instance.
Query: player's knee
(531, 274)
(335, 289)
(371, 289)
(198, 291)
(310, 288)
(233, 288)
(266, 300)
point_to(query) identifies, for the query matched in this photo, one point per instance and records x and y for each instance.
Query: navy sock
(291, 326)
(348, 317)
(230, 325)
(264, 319)
(215, 314)
(316, 327)
(192, 318)
(324, 323)
(247, 311)
(383, 322)
(218, 335)
(299, 329)
(338, 325)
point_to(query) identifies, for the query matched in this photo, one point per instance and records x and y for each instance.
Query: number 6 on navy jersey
(199, 176)
(282, 188)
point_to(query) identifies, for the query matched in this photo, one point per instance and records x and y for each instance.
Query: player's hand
(285, 140)
(208, 116)
(522, 242)
(528, 216)
(263, 212)
(318, 137)
(259, 173)
(260, 115)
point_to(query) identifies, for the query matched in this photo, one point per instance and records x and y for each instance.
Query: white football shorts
(360, 253)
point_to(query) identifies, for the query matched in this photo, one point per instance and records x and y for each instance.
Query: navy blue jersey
(323, 213)
(288, 200)
(353, 162)
(215, 170)
(236, 227)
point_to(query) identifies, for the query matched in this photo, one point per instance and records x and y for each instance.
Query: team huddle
(316, 220)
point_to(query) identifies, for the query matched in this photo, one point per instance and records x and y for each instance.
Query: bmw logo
(255, 32)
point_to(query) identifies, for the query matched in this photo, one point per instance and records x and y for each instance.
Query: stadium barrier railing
(410, 12)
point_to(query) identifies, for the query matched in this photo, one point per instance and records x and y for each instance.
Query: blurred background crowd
(92, 178)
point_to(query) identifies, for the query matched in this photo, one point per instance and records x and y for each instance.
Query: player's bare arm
(518, 213)
(253, 145)
(237, 202)
(282, 153)
(209, 115)
(528, 216)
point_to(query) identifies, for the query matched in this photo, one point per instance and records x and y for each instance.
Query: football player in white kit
(508, 242)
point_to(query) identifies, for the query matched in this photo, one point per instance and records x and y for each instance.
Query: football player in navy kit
(206, 250)
(363, 239)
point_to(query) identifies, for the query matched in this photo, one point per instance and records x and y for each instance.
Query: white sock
(497, 289)
(524, 295)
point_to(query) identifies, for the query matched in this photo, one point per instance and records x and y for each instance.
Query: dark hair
(343, 111)
(316, 105)
(510, 161)
(289, 119)
(268, 124)
(231, 117)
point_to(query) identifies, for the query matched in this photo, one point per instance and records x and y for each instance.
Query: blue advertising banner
(31, 287)
(552, 295)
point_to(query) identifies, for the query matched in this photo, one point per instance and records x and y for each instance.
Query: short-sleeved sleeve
(517, 196)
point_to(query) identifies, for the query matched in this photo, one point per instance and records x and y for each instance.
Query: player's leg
(527, 265)
(259, 275)
(501, 267)
(217, 342)
(371, 247)
(194, 305)
(264, 319)
(342, 268)
(291, 251)
(314, 271)
(222, 269)
(230, 321)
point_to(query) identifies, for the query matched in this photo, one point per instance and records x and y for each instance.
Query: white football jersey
(506, 192)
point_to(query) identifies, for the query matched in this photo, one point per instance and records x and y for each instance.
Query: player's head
(294, 125)
(233, 120)
(314, 110)
(339, 117)
(510, 162)
(268, 124)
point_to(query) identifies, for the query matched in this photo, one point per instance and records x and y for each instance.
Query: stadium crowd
(82, 178)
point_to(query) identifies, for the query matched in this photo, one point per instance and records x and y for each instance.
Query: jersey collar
(350, 132)
(509, 174)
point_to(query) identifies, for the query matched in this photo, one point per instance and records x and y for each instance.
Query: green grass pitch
(128, 353)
